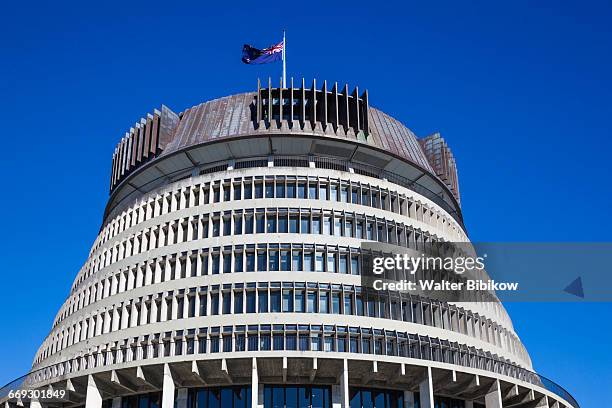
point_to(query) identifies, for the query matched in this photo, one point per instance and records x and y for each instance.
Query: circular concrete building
(226, 273)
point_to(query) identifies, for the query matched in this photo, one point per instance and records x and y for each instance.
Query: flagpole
(284, 84)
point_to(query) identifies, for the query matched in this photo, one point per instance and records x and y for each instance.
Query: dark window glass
(291, 190)
(258, 190)
(250, 261)
(305, 225)
(302, 190)
(238, 302)
(269, 189)
(250, 301)
(263, 302)
(275, 301)
(238, 262)
(248, 191)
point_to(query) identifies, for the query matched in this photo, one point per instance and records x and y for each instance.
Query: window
(269, 189)
(344, 194)
(215, 264)
(348, 303)
(323, 302)
(280, 189)
(214, 303)
(296, 261)
(260, 223)
(259, 190)
(274, 261)
(250, 301)
(227, 303)
(291, 190)
(284, 261)
(323, 192)
(227, 262)
(287, 300)
(238, 262)
(275, 301)
(248, 224)
(319, 265)
(263, 301)
(300, 306)
(302, 190)
(331, 262)
(308, 262)
(327, 225)
(343, 263)
(316, 224)
(248, 191)
(271, 223)
(312, 302)
(348, 228)
(238, 302)
(354, 265)
(337, 226)
(305, 225)
(293, 224)
(262, 262)
(312, 190)
(237, 225)
(283, 223)
(333, 192)
(250, 261)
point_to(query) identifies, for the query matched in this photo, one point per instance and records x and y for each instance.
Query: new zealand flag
(252, 55)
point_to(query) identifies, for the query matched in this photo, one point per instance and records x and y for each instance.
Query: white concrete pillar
(340, 392)
(254, 384)
(167, 388)
(34, 403)
(426, 391)
(181, 398)
(493, 398)
(408, 399)
(469, 404)
(93, 398)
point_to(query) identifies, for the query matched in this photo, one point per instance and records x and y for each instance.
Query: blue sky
(520, 91)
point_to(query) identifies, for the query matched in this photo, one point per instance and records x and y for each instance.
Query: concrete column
(493, 398)
(181, 398)
(255, 385)
(340, 392)
(116, 402)
(469, 404)
(408, 399)
(93, 398)
(34, 403)
(426, 391)
(167, 388)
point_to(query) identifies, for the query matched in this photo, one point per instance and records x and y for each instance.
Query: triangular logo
(575, 288)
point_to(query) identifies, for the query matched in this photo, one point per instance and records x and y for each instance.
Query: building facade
(226, 272)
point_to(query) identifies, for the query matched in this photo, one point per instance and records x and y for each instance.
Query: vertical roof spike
(303, 83)
(335, 89)
(291, 82)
